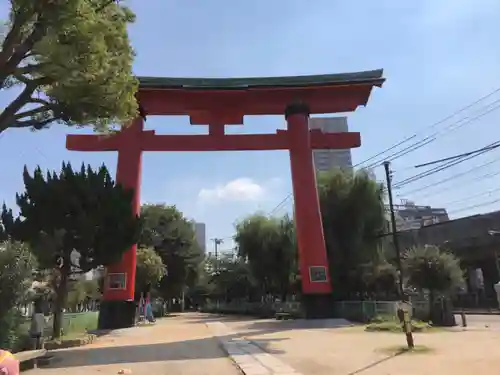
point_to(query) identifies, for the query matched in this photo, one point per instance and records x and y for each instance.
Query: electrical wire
(443, 167)
(433, 137)
(458, 175)
(477, 179)
(432, 126)
(423, 142)
(489, 192)
(474, 206)
(280, 205)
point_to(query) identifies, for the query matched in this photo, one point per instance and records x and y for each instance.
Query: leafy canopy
(353, 218)
(269, 246)
(150, 269)
(71, 62)
(429, 267)
(83, 217)
(16, 275)
(172, 237)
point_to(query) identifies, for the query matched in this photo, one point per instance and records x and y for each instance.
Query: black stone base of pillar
(117, 314)
(318, 306)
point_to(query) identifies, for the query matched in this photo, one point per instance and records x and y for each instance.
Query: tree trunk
(61, 294)
(431, 304)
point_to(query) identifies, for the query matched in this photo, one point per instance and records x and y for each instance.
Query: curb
(73, 343)
(248, 356)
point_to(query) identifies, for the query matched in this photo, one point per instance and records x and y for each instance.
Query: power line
(456, 156)
(473, 169)
(471, 197)
(431, 138)
(443, 167)
(477, 179)
(475, 206)
(432, 126)
(280, 204)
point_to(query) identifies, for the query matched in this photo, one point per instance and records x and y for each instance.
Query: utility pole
(404, 316)
(388, 177)
(217, 242)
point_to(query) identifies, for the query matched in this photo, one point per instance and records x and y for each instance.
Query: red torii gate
(219, 102)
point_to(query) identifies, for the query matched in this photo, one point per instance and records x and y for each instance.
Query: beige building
(324, 160)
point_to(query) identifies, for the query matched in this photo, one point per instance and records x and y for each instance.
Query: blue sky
(438, 56)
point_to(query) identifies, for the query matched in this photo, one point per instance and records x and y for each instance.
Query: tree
(269, 246)
(172, 237)
(16, 276)
(150, 270)
(72, 63)
(233, 280)
(353, 219)
(81, 292)
(74, 222)
(430, 268)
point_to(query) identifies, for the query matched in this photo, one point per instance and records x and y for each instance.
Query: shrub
(391, 324)
(16, 276)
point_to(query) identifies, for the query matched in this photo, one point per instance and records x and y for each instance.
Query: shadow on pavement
(205, 348)
(217, 318)
(373, 364)
(272, 326)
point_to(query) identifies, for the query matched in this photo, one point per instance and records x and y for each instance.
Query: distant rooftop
(373, 77)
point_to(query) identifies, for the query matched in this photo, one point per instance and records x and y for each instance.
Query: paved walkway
(181, 345)
(331, 348)
(197, 344)
(248, 356)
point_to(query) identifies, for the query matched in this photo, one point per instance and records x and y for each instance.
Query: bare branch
(39, 101)
(27, 69)
(32, 123)
(32, 112)
(22, 99)
(22, 49)
(13, 37)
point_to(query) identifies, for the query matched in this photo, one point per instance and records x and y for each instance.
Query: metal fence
(360, 311)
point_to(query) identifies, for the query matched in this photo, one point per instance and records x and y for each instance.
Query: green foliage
(232, 279)
(150, 269)
(16, 276)
(269, 246)
(172, 237)
(392, 324)
(80, 323)
(83, 218)
(81, 291)
(73, 60)
(431, 268)
(353, 218)
(81, 212)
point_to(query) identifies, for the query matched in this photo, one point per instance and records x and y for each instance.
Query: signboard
(117, 281)
(317, 274)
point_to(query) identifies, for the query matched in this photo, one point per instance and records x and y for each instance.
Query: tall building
(410, 216)
(200, 233)
(325, 160)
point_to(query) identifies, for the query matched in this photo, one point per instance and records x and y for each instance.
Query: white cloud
(240, 189)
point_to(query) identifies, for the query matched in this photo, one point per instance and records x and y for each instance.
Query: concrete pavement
(181, 345)
(198, 344)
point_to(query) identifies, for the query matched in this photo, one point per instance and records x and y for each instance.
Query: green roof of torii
(373, 77)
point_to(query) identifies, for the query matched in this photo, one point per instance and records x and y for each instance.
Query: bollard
(404, 318)
(464, 319)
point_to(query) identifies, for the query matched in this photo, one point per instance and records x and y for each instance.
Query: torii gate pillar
(316, 286)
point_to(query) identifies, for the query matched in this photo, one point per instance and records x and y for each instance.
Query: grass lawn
(79, 323)
(391, 324)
